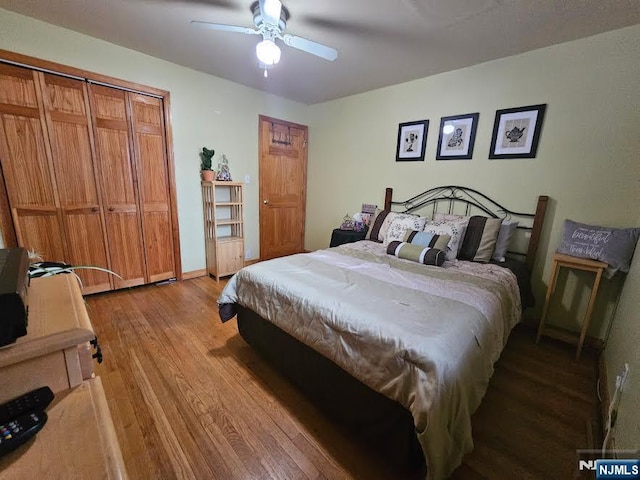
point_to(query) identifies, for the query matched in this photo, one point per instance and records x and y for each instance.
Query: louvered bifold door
(66, 105)
(117, 178)
(27, 166)
(153, 183)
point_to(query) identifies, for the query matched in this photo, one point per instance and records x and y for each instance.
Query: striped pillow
(480, 239)
(427, 239)
(416, 253)
(507, 229)
(378, 219)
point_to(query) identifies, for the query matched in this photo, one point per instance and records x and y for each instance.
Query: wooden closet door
(153, 182)
(67, 113)
(119, 189)
(26, 164)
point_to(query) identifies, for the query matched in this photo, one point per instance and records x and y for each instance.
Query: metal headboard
(449, 199)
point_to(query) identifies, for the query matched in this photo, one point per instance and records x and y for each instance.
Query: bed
(398, 351)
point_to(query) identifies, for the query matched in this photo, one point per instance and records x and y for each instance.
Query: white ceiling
(379, 42)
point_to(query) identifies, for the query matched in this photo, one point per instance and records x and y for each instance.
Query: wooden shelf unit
(223, 209)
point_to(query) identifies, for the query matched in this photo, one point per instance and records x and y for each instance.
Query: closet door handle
(111, 209)
(94, 209)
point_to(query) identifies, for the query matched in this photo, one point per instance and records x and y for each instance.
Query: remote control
(17, 431)
(36, 400)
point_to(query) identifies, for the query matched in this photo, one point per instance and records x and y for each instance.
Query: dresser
(78, 440)
(56, 350)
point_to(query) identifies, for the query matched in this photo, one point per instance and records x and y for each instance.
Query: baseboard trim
(194, 274)
(203, 271)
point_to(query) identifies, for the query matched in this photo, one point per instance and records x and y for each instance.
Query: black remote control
(17, 431)
(36, 400)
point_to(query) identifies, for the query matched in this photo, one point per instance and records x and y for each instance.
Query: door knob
(266, 202)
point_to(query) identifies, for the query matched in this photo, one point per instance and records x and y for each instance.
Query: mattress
(424, 336)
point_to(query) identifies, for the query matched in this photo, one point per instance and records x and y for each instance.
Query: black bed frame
(382, 423)
(467, 201)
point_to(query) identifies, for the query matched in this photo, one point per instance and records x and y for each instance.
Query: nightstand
(340, 237)
(567, 261)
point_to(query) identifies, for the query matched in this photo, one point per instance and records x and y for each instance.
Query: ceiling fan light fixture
(268, 52)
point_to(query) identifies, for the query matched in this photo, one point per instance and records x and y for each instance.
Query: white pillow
(449, 217)
(400, 224)
(455, 229)
(452, 217)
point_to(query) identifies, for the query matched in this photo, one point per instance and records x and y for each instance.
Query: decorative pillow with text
(613, 246)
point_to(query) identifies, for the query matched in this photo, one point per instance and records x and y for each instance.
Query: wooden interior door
(283, 187)
(68, 121)
(26, 165)
(116, 173)
(153, 181)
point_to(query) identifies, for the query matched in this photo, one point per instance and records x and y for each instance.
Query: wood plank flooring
(190, 399)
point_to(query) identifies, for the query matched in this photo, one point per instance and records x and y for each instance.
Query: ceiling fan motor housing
(259, 22)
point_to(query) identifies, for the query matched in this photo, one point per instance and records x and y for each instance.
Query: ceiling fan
(270, 18)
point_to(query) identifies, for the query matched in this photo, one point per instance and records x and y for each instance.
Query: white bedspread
(426, 337)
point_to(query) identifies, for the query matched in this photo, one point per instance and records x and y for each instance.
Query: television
(14, 285)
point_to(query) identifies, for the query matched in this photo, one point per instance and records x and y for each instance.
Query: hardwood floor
(190, 399)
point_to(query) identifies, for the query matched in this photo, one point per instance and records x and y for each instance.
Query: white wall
(623, 347)
(587, 160)
(205, 110)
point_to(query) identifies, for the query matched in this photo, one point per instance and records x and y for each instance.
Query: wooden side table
(561, 260)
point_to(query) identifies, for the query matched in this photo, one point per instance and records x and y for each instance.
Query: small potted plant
(206, 171)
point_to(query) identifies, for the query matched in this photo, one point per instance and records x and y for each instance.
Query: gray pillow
(613, 246)
(507, 229)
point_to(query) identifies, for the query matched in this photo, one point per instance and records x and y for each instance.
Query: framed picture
(412, 140)
(457, 136)
(516, 132)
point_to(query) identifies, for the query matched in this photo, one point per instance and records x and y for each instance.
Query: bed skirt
(381, 422)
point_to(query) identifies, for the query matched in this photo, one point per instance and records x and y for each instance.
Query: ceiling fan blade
(225, 4)
(308, 46)
(270, 11)
(225, 28)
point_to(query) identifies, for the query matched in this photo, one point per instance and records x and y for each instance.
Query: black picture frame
(458, 143)
(412, 141)
(516, 132)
